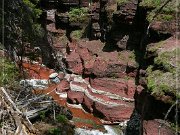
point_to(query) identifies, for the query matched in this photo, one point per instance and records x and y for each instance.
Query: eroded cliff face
(110, 61)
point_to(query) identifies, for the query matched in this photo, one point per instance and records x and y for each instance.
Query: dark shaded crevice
(97, 113)
(155, 36)
(134, 125)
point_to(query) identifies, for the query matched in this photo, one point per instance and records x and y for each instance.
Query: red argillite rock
(88, 58)
(63, 86)
(75, 97)
(121, 87)
(115, 113)
(88, 104)
(111, 98)
(74, 63)
(151, 127)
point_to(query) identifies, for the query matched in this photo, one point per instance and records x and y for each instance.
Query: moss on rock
(128, 57)
(166, 14)
(162, 76)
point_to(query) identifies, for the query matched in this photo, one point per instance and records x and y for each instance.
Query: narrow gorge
(114, 64)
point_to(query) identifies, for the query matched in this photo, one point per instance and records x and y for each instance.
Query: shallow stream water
(110, 130)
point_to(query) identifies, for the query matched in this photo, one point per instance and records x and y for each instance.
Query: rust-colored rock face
(111, 99)
(153, 127)
(88, 58)
(75, 97)
(74, 63)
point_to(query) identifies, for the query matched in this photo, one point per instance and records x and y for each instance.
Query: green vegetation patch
(161, 83)
(151, 3)
(54, 131)
(129, 57)
(78, 15)
(88, 121)
(33, 6)
(155, 47)
(8, 73)
(162, 76)
(61, 118)
(167, 60)
(77, 34)
(159, 17)
(166, 14)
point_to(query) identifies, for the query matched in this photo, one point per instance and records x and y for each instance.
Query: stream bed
(85, 123)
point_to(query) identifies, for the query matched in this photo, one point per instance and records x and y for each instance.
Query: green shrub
(159, 17)
(159, 82)
(77, 34)
(166, 14)
(61, 118)
(36, 11)
(54, 131)
(167, 60)
(78, 15)
(42, 115)
(151, 3)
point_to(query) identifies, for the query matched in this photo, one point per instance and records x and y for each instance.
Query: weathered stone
(118, 113)
(104, 97)
(75, 97)
(74, 63)
(53, 75)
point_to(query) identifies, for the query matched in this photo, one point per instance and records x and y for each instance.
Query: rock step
(119, 86)
(109, 113)
(103, 97)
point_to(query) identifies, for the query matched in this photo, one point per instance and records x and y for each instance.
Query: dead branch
(15, 117)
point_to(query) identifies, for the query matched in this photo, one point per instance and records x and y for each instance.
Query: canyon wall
(112, 53)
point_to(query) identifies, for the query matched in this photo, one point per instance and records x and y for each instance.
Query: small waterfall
(110, 130)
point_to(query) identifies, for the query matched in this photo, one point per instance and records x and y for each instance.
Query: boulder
(74, 63)
(88, 57)
(88, 104)
(53, 75)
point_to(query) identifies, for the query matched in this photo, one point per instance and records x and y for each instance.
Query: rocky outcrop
(108, 83)
(88, 58)
(126, 12)
(106, 74)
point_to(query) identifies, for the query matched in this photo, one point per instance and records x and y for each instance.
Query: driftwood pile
(16, 113)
